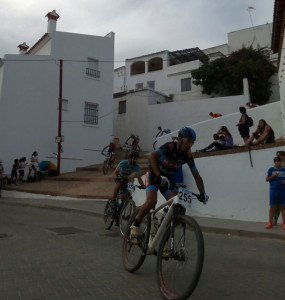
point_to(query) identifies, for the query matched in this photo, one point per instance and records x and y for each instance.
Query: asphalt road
(84, 262)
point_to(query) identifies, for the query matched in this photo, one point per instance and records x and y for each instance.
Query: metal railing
(93, 73)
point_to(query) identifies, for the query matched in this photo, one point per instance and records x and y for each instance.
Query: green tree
(224, 76)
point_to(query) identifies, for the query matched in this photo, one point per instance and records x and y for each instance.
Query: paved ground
(96, 206)
(49, 252)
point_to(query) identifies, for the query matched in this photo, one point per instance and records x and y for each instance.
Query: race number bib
(184, 197)
(131, 187)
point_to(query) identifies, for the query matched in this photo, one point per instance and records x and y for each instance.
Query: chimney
(52, 18)
(23, 48)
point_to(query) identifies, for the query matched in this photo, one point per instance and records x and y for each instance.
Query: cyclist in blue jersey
(124, 170)
(163, 164)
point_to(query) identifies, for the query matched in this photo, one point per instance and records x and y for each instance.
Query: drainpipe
(59, 116)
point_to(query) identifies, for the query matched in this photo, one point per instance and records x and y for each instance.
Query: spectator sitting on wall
(264, 134)
(228, 144)
(215, 115)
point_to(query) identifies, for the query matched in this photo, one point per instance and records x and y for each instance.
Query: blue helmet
(187, 132)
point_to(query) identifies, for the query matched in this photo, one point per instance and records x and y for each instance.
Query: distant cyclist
(163, 164)
(123, 171)
(135, 140)
(111, 149)
(161, 131)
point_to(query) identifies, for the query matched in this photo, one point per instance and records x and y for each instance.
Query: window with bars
(186, 84)
(139, 86)
(92, 69)
(91, 113)
(122, 107)
(151, 84)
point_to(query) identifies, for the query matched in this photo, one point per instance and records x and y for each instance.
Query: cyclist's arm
(116, 173)
(140, 180)
(104, 149)
(154, 157)
(199, 181)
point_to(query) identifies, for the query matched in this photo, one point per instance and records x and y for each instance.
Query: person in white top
(34, 164)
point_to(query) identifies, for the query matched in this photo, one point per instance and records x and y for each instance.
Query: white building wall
(205, 129)
(29, 102)
(257, 36)
(45, 49)
(120, 80)
(172, 115)
(281, 82)
(236, 190)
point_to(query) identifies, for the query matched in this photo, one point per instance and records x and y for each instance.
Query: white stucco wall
(205, 129)
(281, 82)
(257, 36)
(143, 119)
(236, 190)
(29, 102)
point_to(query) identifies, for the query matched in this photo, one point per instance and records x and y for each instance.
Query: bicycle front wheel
(135, 254)
(108, 215)
(178, 273)
(105, 166)
(127, 211)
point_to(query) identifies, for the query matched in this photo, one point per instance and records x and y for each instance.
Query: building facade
(30, 88)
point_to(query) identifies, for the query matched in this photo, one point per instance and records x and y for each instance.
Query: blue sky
(140, 26)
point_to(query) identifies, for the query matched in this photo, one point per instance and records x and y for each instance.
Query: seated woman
(263, 134)
(228, 144)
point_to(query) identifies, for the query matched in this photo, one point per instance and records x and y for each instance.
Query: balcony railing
(93, 73)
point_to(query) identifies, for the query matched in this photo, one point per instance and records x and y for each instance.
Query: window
(139, 86)
(92, 69)
(151, 84)
(91, 113)
(185, 84)
(122, 107)
(155, 64)
(138, 67)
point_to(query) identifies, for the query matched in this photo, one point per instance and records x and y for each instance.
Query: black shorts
(153, 186)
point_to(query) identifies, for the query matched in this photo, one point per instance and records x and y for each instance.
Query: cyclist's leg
(116, 191)
(151, 199)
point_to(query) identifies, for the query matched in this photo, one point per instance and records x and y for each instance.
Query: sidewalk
(95, 207)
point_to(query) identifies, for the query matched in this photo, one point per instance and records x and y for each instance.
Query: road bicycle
(108, 163)
(124, 208)
(160, 133)
(178, 244)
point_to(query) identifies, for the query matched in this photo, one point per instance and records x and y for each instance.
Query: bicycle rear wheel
(105, 166)
(108, 215)
(127, 211)
(134, 255)
(178, 275)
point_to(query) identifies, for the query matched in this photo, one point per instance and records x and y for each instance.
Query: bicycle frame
(152, 243)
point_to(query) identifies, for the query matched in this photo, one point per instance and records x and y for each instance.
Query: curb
(204, 228)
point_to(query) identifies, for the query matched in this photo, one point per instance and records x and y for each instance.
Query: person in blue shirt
(125, 169)
(164, 162)
(276, 178)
